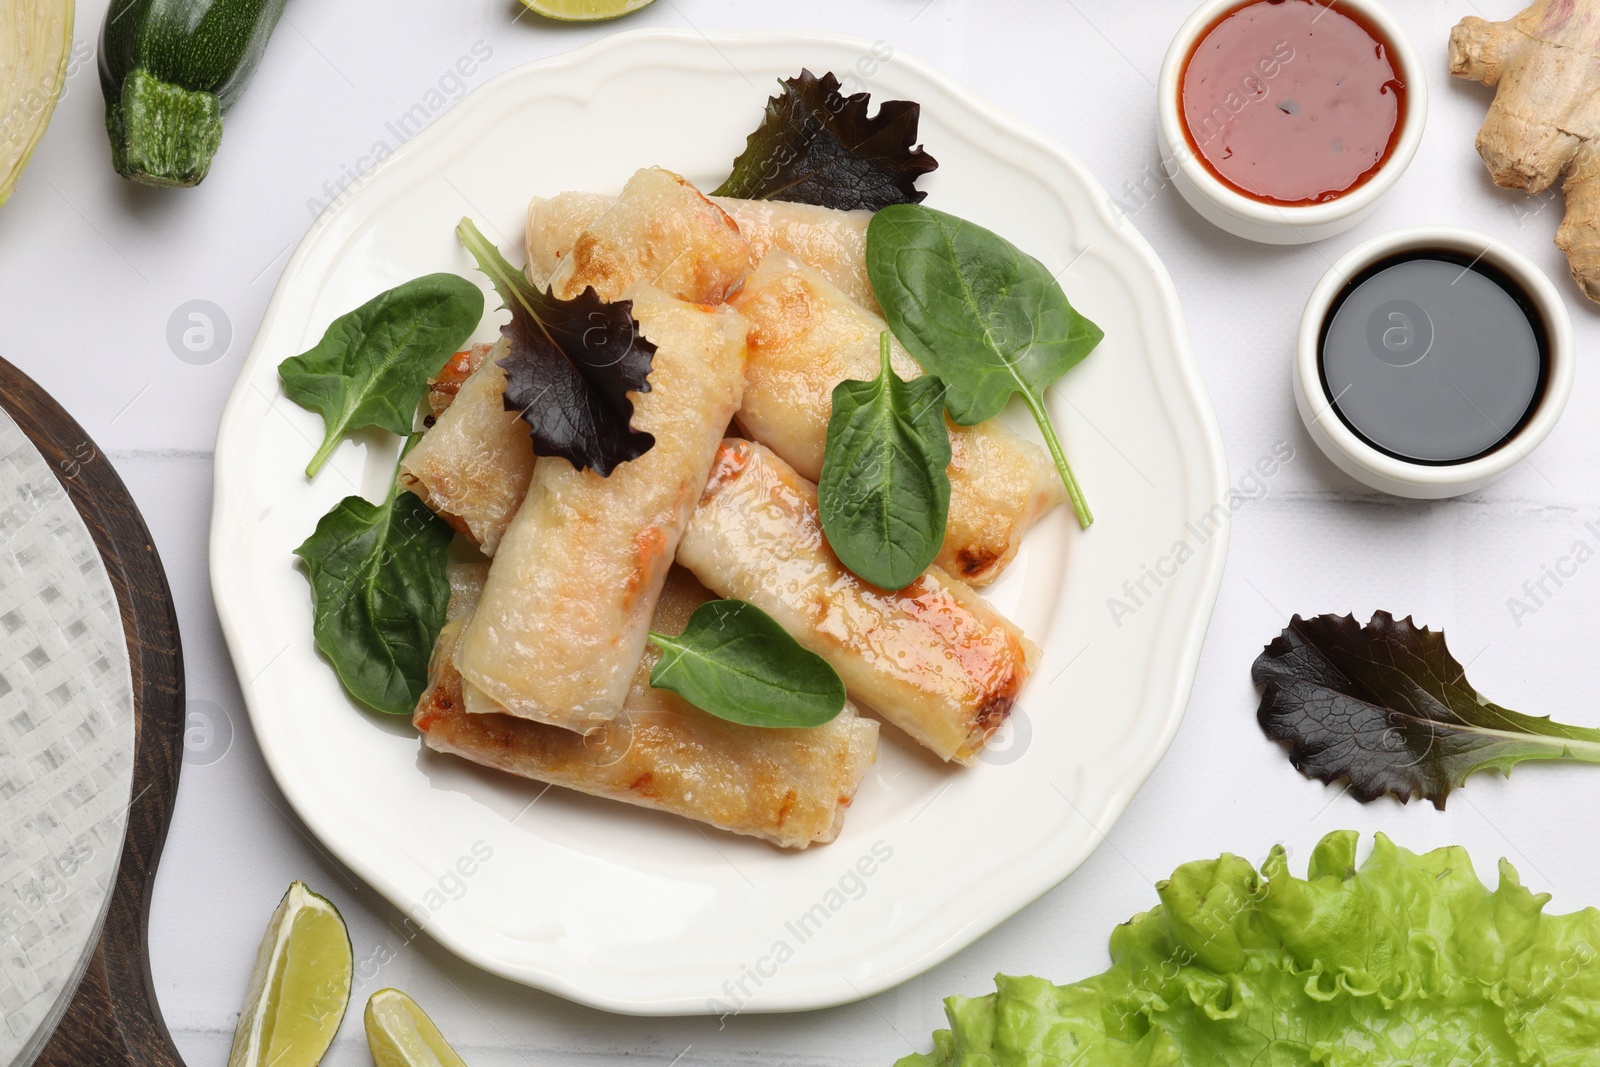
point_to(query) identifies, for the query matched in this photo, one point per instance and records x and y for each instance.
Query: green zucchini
(169, 69)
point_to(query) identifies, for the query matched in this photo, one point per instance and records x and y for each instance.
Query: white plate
(644, 913)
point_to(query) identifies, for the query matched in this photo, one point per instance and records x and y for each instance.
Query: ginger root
(1545, 119)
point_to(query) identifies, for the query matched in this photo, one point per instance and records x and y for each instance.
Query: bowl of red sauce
(1284, 121)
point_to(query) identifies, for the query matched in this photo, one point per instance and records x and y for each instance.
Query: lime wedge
(300, 988)
(584, 10)
(400, 1034)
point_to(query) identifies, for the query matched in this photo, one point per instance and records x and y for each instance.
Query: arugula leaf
(372, 365)
(734, 661)
(817, 146)
(885, 493)
(1405, 959)
(985, 317)
(379, 593)
(572, 365)
(1388, 708)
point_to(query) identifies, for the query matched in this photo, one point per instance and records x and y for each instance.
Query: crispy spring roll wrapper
(661, 232)
(806, 336)
(831, 242)
(554, 223)
(567, 606)
(933, 658)
(790, 787)
(466, 589)
(834, 242)
(474, 463)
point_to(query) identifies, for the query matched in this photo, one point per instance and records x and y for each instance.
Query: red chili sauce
(1292, 101)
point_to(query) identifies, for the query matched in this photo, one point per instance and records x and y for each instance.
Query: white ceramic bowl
(1273, 223)
(1390, 474)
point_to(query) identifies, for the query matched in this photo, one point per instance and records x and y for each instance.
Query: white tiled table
(91, 270)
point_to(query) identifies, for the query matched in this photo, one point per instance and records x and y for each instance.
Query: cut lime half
(300, 988)
(400, 1034)
(584, 10)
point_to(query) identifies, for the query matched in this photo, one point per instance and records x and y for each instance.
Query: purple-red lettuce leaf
(571, 367)
(1387, 708)
(817, 146)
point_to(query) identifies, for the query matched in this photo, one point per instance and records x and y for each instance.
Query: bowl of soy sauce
(1432, 360)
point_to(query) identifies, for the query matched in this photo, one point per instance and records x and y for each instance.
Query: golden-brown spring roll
(933, 659)
(831, 242)
(790, 787)
(473, 464)
(554, 224)
(568, 603)
(834, 242)
(806, 336)
(661, 232)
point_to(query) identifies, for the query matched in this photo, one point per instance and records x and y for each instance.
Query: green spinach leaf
(379, 591)
(817, 146)
(372, 365)
(1387, 707)
(985, 317)
(885, 493)
(734, 661)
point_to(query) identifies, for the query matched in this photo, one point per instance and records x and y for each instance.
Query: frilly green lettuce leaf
(1407, 959)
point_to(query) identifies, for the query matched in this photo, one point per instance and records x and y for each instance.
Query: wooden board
(113, 1019)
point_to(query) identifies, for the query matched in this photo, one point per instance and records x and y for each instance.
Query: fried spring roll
(933, 659)
(834, 242)
(660, 232)
(790, 787)
(565, 613)
(474, 464)
(554, 224)
(806, 336)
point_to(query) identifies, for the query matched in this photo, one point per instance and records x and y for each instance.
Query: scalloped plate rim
(1179, 631)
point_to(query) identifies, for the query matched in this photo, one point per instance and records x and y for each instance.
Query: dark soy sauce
(1433, 357)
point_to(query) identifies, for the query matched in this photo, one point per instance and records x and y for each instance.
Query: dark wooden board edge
(113, 1019)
